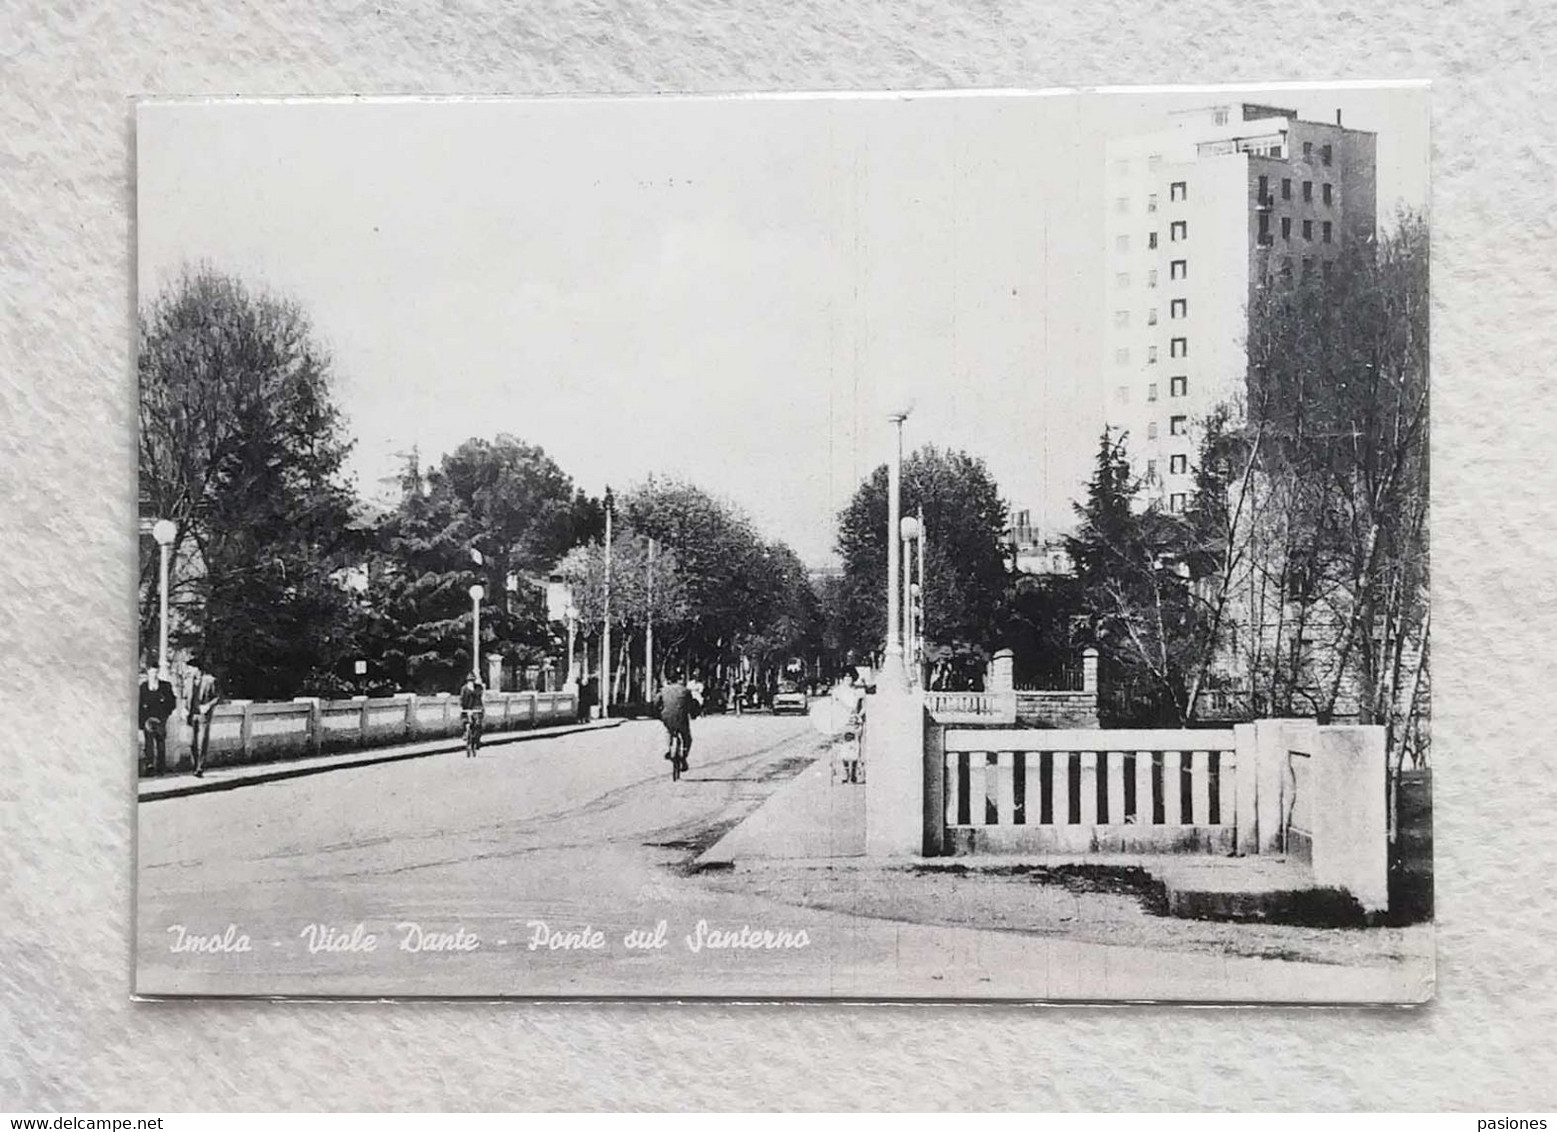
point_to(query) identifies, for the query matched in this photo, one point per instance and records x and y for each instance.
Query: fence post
(934, 789)
(1350, 814)
(315, 723)
(1089, 673)
(1246, 763)
(245, 729)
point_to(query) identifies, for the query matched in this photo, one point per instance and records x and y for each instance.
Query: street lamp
(908, 531)
(570, 614)
(477, 592)
(164, 531)
(893, 660)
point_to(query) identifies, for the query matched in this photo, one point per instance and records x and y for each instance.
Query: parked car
(790, 697)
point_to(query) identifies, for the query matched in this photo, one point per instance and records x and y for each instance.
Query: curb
(283, 771)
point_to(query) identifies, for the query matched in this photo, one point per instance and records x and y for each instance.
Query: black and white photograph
(875, 547)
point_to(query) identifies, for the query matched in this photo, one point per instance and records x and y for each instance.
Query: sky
(732, 291)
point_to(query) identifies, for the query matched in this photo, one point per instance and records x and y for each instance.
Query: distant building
(1037, 554)
(1201, 216)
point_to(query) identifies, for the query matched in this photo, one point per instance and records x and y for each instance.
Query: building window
(1178, 191)
(1308, 229)
(1151, 471)
(1308, 191)
(1151, 391)
(1178, 385)
(1264, 236)
(1151, 239)
(1286, 267)
(1151, 355)
(1179, 231)
(1176, 502)
(1178, 347)
(1151, 202)
(1151, 278)
(1308, 151)
(1325, 193)
(1122, 244)
(1324, 154)
(1151, 430)
(1121, 204)
(1219, 116)
(1329, 231)
(1178, 308)
(1178, 269)
(1122, 356)
(1308, 265)
(1264, 191)
(1178, 465)
(1151, 317)
(1286, 188)
(1286, 227)
(1122, 280)
(1121, 319)
(1178, 425)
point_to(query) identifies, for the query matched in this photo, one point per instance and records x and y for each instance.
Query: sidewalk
(809, 817)
(251, 774)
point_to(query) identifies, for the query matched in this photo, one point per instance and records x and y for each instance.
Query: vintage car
(789, 697)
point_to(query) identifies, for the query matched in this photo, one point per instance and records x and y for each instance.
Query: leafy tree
(241, 447)
(745, 597)
(964, 560)
(1338, 392)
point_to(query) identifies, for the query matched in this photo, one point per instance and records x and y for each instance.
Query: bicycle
(472, 733)
(678, 756)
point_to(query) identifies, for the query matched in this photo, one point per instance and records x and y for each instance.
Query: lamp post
(477, 592)
(164, 531)
(648, 633)
(571, 616)
(908, 530)
(919, 590)
(892, 662)
(605, 633)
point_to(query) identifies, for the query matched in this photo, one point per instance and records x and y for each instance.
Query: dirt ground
(1114, 907)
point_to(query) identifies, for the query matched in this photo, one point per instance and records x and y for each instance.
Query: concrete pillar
(1246, 789)
(894, 772)
(1089, 672)
(1350, 814)
(1002, 672)
(494, 673)
(315, 723)
(1273, 739)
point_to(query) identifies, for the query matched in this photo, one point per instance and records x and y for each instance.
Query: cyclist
(676, 707)
(472, 712)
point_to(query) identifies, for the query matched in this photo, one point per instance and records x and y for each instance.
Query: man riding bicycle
(677, 707)
(472, 712)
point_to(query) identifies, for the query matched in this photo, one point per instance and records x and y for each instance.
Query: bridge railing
(1080, 791)
(245, 731)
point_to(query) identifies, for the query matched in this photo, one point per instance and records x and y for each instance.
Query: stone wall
(1057, 709)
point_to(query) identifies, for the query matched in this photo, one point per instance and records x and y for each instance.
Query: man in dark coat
(157, 703)
(677, 707)
(202, 701)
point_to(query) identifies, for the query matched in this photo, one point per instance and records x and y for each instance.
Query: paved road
(588, 835)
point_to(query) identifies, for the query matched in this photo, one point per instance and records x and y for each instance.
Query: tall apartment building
(1201, 215)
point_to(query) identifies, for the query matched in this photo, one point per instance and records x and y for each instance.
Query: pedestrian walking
(202, 698)
(157, 704)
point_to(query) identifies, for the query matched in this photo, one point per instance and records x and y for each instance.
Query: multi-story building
(1201, 215)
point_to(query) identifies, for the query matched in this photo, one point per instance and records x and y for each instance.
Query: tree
(1338, 387)
(745, 597)
(1137, 592)
(964, 560)
(500, 513)
(241, 446)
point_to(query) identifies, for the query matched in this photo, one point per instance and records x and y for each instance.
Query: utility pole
(648, 643)
(605, 635)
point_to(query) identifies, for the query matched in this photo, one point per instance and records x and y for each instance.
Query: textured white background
(69, 1036)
